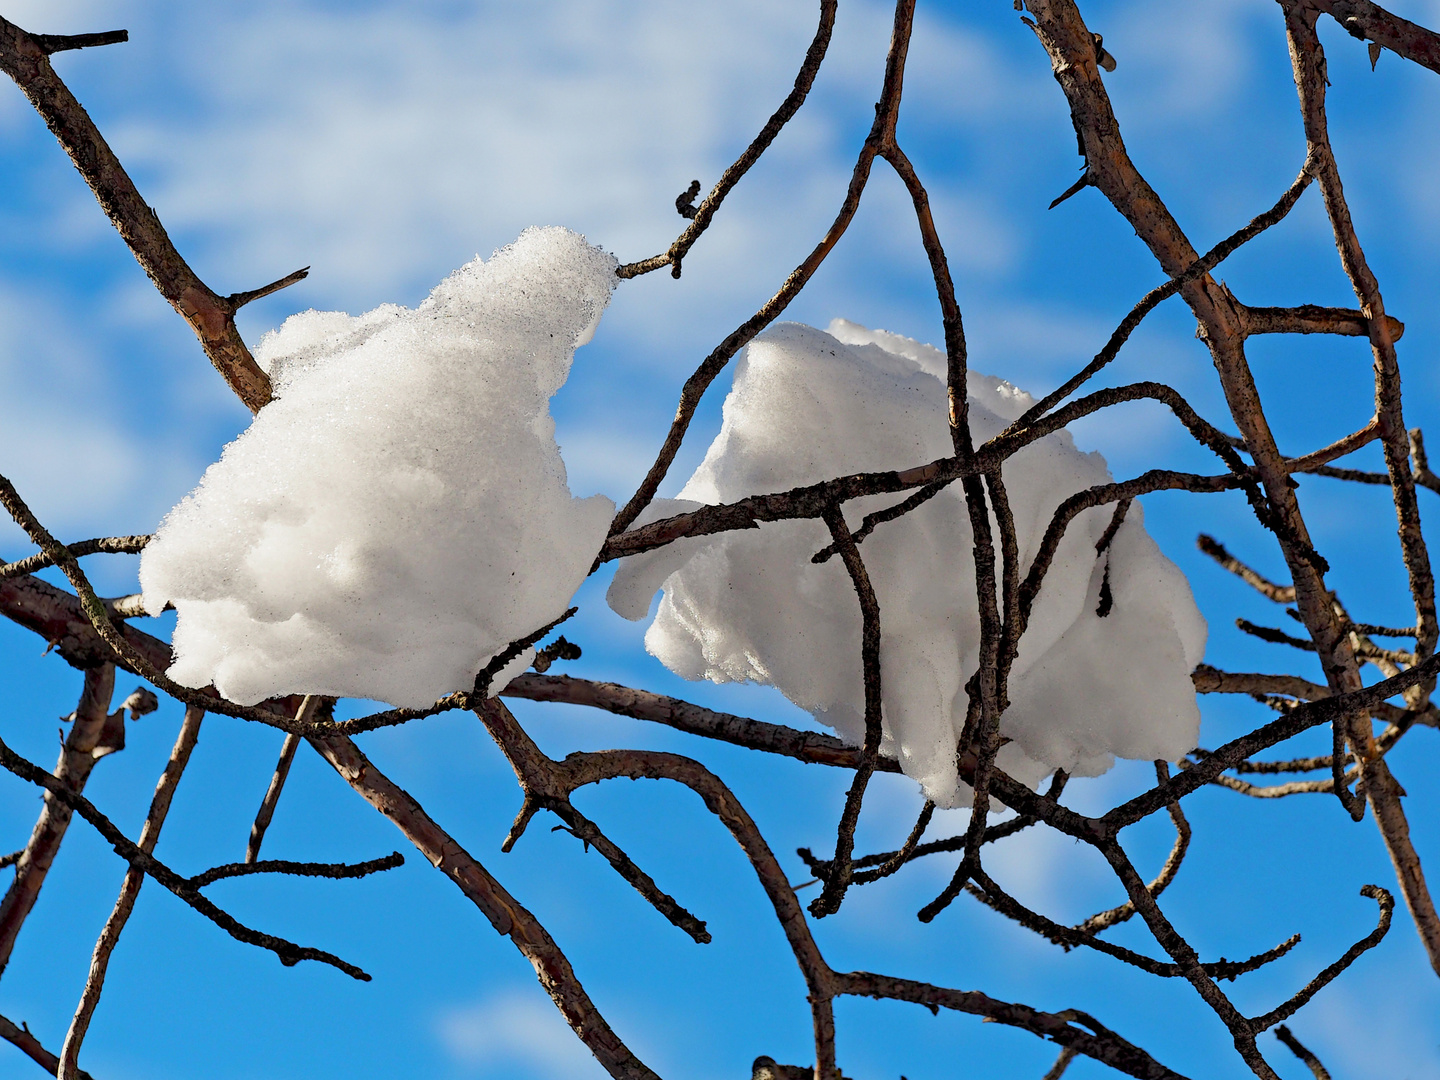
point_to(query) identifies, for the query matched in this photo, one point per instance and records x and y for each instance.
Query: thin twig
(68, 1068)
(288, 952)
(118, 545)
(831, 896)
(336, 871)
(20, 1037)
(1300, 1051)
(701, 216)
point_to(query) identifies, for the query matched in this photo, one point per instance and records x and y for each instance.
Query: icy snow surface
(807, 406)
(399, 513)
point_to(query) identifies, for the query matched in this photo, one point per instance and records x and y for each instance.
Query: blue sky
(384, 144)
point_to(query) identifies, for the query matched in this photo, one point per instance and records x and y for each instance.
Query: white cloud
(76, 456)
(517, 1029)
(1183, 62)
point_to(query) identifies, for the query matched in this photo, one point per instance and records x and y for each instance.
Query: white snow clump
(399, 513)
(808, 406)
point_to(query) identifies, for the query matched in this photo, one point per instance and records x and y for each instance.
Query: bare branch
(288, 952)
(1381, 791)
(235, 301)
(1311, 1061)
(1281, 594)
(1370, 21)
(1315, 985)
(1301, 718)
(807, 746)
(27, 1044)
(336, 871)
(77, 758)
(830, 898)
(1104, 1045)
(53, 43)
(210, 315)
(882, 133)
(67, 1068)
(1061, 1064)
(547, 785)
(505, 913)
(1116, 915)
(1314, 319)
(277, 785)
(701, 216)
(1151, 300)
(121, 545)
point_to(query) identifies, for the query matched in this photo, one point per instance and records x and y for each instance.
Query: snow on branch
(1104, 668)
(399, 512)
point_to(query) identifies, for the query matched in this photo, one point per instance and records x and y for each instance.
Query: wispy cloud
(515, 1030)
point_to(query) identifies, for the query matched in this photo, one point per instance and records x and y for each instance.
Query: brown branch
(1061, 1064)
(956, 358)
(1116, 915)
(1197, 269)
(506, 914)
(1338, 449)
(288, 952)
(1371, 22)
(277, 785)
(882, 133)
(812, 500)
(67, 1068)
(701, 216)
(334, 871)
(126, 545)
(1313, 319)
(1066, 39)
(21, 1038)
(1281, 594)
(235, 301)
(1315, 985)
(1060, 1028)
(53, 43)
(210, 315)
(1275, 637)
(719, 800)
(831, 896)
(996, 898)
(1301, 718)
(907, 849)
(394, 717)
(125, 647)
(77, 758)
(128, 607)
(1102, 495)
(546, 786)
(1279, 791)
(1420, 462)
(808, 746)
(1208, 680)
(821, 867)
(890, 513)
(1186, 959)
(1381, 791)
(513, 651)
(1298, 1049)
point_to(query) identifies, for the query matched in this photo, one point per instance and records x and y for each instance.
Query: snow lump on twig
(1095, 678)
(399, 513)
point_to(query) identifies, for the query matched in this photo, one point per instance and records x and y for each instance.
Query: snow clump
(399, 513)
(1093, 680)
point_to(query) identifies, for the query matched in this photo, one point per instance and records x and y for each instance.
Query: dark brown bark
(77, 758)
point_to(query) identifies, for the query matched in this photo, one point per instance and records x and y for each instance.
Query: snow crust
(400, 512)
(807, 406)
